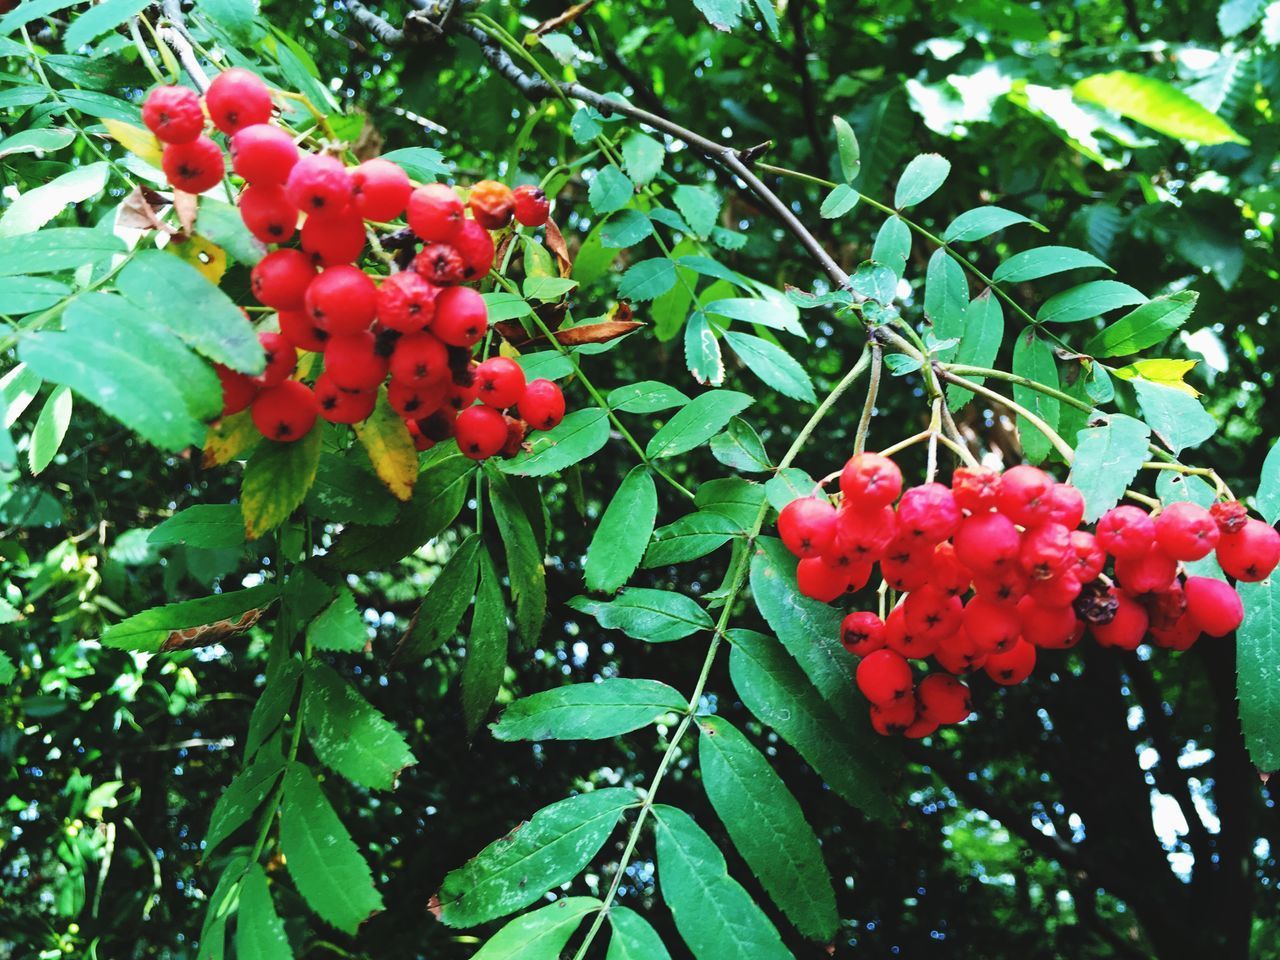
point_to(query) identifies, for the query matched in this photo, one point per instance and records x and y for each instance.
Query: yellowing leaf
(505, 349)
(230, 439)
(136, 140)
(203, 254)
(276, 480)
(390, 447)
(1170, 373)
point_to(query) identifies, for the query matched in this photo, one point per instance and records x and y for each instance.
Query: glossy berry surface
(268, 214)
(542, 405)
(195, 166)
(282, 358)
(380, 189)
(870, 480)
(807, 526)
(500, 382)
(461, 317)
(435, 212)
(285, 412)
(237, 98)
(342, 300)
(531, 206)
(173, 114)
(1213, 605)
(352, 361)
(282, 278)
(1186, 531)
(263, 154)
(320, 185)
(481, 432)
(1251, 552)
(406, 302)
(492, 204)
(342, 406)
(883, 676)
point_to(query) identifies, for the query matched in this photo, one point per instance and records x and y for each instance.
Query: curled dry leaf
(514, 334)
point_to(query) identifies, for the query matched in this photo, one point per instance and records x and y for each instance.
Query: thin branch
(179, 37)
(378, 26)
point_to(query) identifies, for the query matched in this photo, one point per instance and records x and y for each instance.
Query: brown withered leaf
(138, 211)
(514, 334)
(211, 633)
(186, 205)
(556, 244)
(558, 21)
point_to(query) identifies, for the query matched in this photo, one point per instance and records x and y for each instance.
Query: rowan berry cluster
(416, 329)
(995, 567)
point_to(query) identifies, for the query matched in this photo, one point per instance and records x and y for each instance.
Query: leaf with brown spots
(570, 336)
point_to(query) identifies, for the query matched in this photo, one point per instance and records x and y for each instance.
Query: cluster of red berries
(417, 327)
(994, 567)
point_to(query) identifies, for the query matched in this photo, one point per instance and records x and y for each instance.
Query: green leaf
(700, 206)
(1148, 325)
(516, 870)
(982, 222)
(22, 295)
(691, 537)
(347, 492)
(1257, 683)
(702, 353)
(33, 209)
(633, 938)
(1267, 499)
(38, 140)
(486, 660)
(733, 497)
(643, 157)
(645, 396)
(221, 223)
(788, 484)
(921, 179)
(740, 447)
(525, 571)
(540, 935)
(847, 147)
(213, 932)
(656, 616)
(168, 627)
(768, 827)
(610, 190)
(210, 526)
(845, 754)
(892, 247)
(773, 365)
(1237, 16)
(209, 320)
(946, 298)
(259, 931)
(900, 364)
(326, 867)
(339, 627)
(421, 163)
(97, 20)
(838, 202)
(1155, 104)
(236, 17)
(438, 616)
(348, 735)
(274, 701)
(237, 803)
(1108, 457)
(1033, 358)
(1176, 417)
(647, 279)
(716, 917)
(8, 670)
(276, 480)
(623, 532)
(387, 441)
(1044, 262)
(693, 425)
(1087, 301)
(51, 251)
(584, 127)
(588, 711)
(979, 343)
(776, 312)
(581, 434)
(29, 11)
(50, 429)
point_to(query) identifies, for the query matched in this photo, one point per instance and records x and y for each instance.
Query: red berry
(1152, 572)
(1025, 495)
(282, 358)
(1006, 584)
(862, 633)
(1166, 608)
(807, 526)
(959, 653)
(1230, 515)
(1126, 629)
(1251, 553)
(865, 533)
(897, 716)
(1057, 591)
(237, 99)
(413, 401)
(1013, 666)
(1046, 551)
(931, 614)
(901, 640)
(296, 325)
(268, 214)
(906, 565)
(948, 574)
(1213, 605)
(542, 405)
(492, 204)
(342, 300)
(500, 382)
(463, 388)
(1066, 505)
(440, 263)
(516, 431)
(195, 166)
(238, 390)
(869, 480)
(481, 431)
(381, 189)
(263, 154)
(334, 240)
(944, 698)
(975, 488)
(883, 677)
(343, 406)
(461, 317)
(435, 213)
(921, 727)
(985, 542)
(281, 279)
(475, 246)
(1126, 531)
(929, 513)
(352, 361)
(173, 114)
(420, 358)
(1045, 626)
(320, 184)
(819, 580)
(1180, 635)
(421, 441)
(531, 205)
(1087, 558)
(991, 625)
(406, 302)
(1186, 531)
(285, 412)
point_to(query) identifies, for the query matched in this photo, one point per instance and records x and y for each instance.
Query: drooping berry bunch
(416, 329)
(994, 567)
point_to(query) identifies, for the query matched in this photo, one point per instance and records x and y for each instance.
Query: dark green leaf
(1257, 653)
(442, 608)
(540, 935)
(691, 537)
(237, 803)
(980, 342)
(657, 616)
(740, 447)
(1148, 325)
(212, 526)
(273, 703)
(588, 711)
(646, 396)
(1087, 301)
(525, 570)
(921, 179)
(174, 626)
(346, 492)
(486, 660)
(347, 734)
(1108, 457)
(738, 499)
(693, 425)
(981, 222)
(340, 627)
(633, 938)
(773, 365)
(647, 279)
(788, 484)
(1176, 417)
(581, 434)
(1033, 358)
(847, 147)
(946, 298)
(259, 931)
(623, 532)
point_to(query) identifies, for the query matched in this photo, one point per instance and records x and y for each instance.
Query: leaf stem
(873, 391)
(964, 369)
(910, 441)
(1053, 436)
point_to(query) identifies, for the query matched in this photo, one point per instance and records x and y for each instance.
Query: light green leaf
(276, 480)
(339, 627)
(1108, 457)
(22, 295)
(623, 532)
(773, 365)
(656, 616)
(691, 537)
(1237, 16)
(588, 711)
(18, 387)
(1087, 301)
(633, 938)
(540, 935)
(1033, 358)
(645, 396)
(422, 163)
(29, 11)
(700, 206)
(979, 343)
(838, 202)
(610, 190)
(1176, 417)
(37, 140)
(847, 147)
(776, 312)
(1258, 671)
(177, 626)
(946, 298)
(892, 247)
(50, 429)
(243, 795)
(234, 16)
(8, 670)
(581, 434)
(1267, 498)
(740, 447)
(62, 248)
(1044, 262)
(693, 425)
(389, 445)
(259, 931)
(1156, 104)
(348, 735)
(647, 279)
(33, 209)
(702, 353)
(922, 177)
(1148, 325)
(211, 526)
(98, 19)
(643, 157)
(982, 222)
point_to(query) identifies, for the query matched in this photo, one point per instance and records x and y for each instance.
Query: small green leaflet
(623, 532)
(50, 429)
(97, 20)
(1108, 457)
(33, 209)
(581, 434)
(624, 229)
(339, 627)
(645, 396)
(1148, 325)
(39, 140)
(1156, 104)
(486, 660)
(212, 526)
(740, 447)
(633, 938)
(980, 342)
(1033, 358)
(705, 416)
(922, 177)
(1258, 671)
(773, 310)
(647, 279)
(1267, 498)
(237, 803)
(788, 484)
(702, 351)
(62, 248)
(259, 931)
(525, 571)
(516, 870)
(839, 202)
(875, 281)
(773, 365)
(946, 298)
(657, 616)
(421, 163)
(276, 480)
(610, 190)
(348, 735)
(733, 497)
(438, 616)
(273, 703)
(691, 537)
(1045, 262)
(177, 626)
(588, 711)
(540, 935)
(700, 206)
(900, 364)
(213, 932)
(348, 492)
(847, 148)
(1087, 301)
(1176, 417)
(982, 222)
(892, 247)
(643, 157)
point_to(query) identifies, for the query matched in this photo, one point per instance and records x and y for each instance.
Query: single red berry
(921, 727)
(869, 480)
(406, 302)
(420, 358)
(807, 526)
(944, 698)
(819, 580)
(342, 300)
(1087, 558)
(461, 317)
(1126, 531)
(421, 441)
(281, 279)
(906, 564)
(986, 542)
(883, 677)
(463, 388)
(1013, 665)
(517, 429)
(1126, 629)
(320, 184)
(1186, 531)
(1025, 495)
(263, 154)
(861, 633)
(413, 401)
(1056, 591)
(285, 412)
(501, 382)
(352, 361)
(1251, 552)
(1180, 635)
(865, 532)
(1213, 605)
(1152, 572)
(492, 204)
(1046, 551)
(343, 406)
(531, 205)
(435, 213)
(440, 263)
(438, 426)
(481, 431)
(991, 625)
(975, 488)
(282, 359)
(173, 114)
(475, 246)
(928, 513)
(238, 390)
(1066, 505)
(1230, 515)
(931, 614)
(237, 98)
(897, 716)
(1006, 584)
(381, 189)
(542, 405)
(1048, 627)
(948, 574)
(334, 240)
(1167, 607)
(959, 653)
(193, 167)
(268, 214)
(902, 641)
(297, 327)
